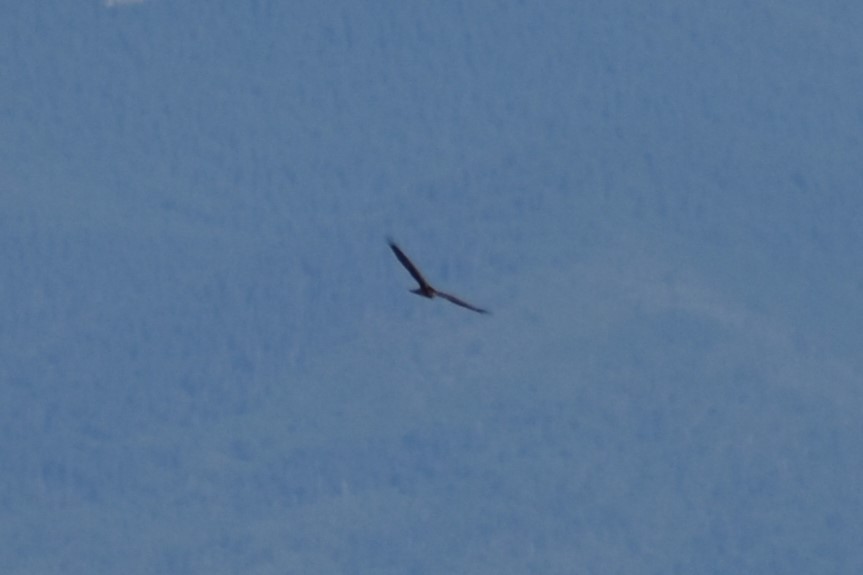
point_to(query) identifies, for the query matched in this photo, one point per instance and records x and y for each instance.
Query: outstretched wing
(461, 302)
(409, 265)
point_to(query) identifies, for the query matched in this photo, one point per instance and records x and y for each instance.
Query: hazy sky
(210, 361)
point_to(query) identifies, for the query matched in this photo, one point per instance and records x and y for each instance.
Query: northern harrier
(425, 289)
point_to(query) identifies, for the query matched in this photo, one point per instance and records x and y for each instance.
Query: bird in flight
(425, 289)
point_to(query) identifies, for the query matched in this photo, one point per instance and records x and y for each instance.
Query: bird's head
(427, 292)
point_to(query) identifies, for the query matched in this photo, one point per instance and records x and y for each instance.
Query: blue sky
(210, 362)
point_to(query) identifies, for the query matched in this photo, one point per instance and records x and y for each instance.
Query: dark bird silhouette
(425, 289)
